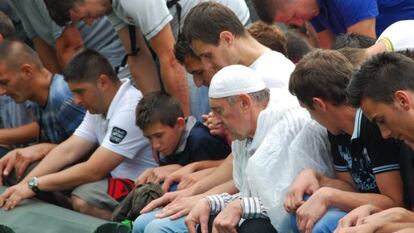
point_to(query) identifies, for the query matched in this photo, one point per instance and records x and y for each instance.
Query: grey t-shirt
(149, 15)
(36, 20)
(152, 15)
(100, 36)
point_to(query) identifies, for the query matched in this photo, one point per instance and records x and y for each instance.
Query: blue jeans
(148, 223)
(326, 224)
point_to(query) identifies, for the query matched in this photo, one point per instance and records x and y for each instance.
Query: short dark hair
(207, 20)
(356, 56)
(353, 40)
(182, 49)
(321, 73)
(297, 47)
(407, 52)
(269, 35)
(6, 26)
(265, 9)
(380, 77)
(157, 107)
(88, 65)
(59, 10)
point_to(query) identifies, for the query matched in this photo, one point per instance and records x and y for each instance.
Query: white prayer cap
(235, 80)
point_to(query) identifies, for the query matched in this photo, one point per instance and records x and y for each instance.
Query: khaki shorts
(105, 194)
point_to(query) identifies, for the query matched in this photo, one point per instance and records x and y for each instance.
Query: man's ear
(1, 38)
(180, 122)
(226, 36)
(28, 70)
(319, 104)
(102, 81)
(403, 99)
(245, 102)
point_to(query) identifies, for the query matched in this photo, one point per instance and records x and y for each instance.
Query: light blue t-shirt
(60, 117)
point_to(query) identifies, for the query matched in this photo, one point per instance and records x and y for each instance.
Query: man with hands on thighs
(383, 88)
(367, 170)
(105, 153)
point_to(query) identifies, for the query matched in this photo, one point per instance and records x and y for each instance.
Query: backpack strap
(134, 49)
(177, 5)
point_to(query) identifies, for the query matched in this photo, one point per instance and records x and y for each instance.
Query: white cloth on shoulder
(286, 141)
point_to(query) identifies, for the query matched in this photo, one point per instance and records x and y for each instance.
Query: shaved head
(15, 53)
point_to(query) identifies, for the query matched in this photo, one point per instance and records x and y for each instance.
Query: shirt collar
(357, 124)
(189, 124)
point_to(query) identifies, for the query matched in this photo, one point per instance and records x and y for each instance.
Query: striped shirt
(59, 118)
(252, 206)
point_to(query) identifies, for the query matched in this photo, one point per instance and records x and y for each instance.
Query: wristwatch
(33, 184)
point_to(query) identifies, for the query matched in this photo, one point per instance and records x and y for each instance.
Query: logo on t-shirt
(117, 135)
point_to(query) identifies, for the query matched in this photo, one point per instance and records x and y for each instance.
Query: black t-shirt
(407, 173)
(200, 145)
(364, 154)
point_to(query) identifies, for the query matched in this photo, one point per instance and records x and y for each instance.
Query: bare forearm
(44, 148)
(47, 55)
(350, 200)
(144, 72)
(172, 73)
(227, 187)
(141, 65)
(394, 226)
(205, 172)
(201, 165)
(68, 178)
(174, 80)
(68, 44)
(379, 47)
(55, 160)
(220, 175)
(23, 134)
(334, 183)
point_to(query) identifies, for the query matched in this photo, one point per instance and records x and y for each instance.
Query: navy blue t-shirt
(364, 154)
(199, 145)
(338, 15)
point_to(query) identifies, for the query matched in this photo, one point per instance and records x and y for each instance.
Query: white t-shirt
(398, 36)
(118, 133)
(274, 68)
(152, 15)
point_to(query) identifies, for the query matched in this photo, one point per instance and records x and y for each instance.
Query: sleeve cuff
(219, 202)
(253, 208)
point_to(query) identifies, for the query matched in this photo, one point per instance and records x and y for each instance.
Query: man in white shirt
(218, 37)
(117, 148)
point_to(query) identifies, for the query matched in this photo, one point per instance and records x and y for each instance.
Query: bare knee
(80, 205)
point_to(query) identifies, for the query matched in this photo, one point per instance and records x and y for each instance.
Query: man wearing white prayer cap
(272, 137)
